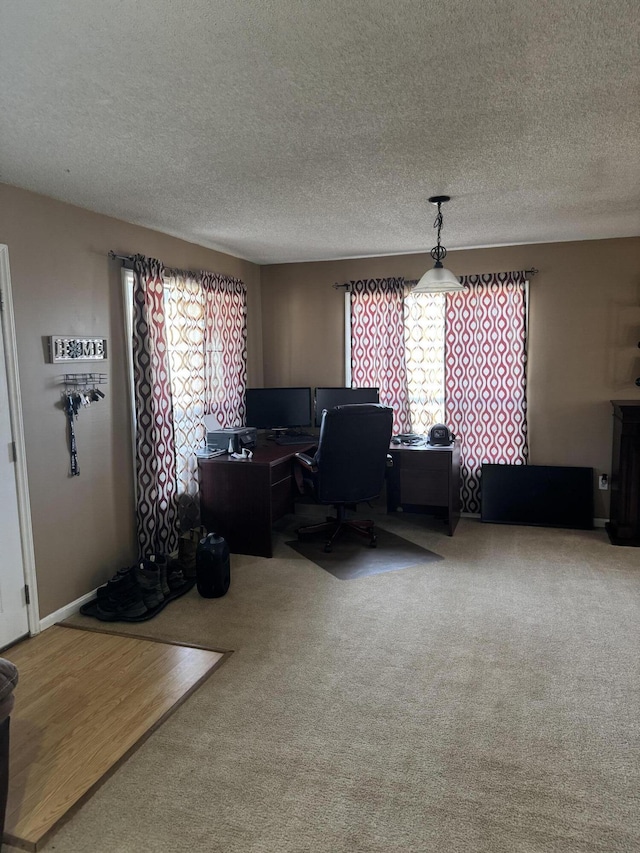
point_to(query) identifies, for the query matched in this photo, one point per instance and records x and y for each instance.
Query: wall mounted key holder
(80, 390)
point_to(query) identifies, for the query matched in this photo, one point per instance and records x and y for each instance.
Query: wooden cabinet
(624, 524)
(426, 479)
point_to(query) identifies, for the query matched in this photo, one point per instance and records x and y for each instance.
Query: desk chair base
(363, 527)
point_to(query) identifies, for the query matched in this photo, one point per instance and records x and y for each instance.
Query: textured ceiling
(283, 130)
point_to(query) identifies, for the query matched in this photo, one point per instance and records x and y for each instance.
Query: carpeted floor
(483, 703)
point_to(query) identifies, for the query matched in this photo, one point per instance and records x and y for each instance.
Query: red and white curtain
(155, 460)
(225, 304)
(377, 343)
(189, 359)
(485, 374)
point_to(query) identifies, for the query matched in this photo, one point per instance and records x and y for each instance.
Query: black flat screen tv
(271, 408)
(327, 398)
(543, 495)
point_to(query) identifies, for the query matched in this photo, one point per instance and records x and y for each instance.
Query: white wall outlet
(603, 481)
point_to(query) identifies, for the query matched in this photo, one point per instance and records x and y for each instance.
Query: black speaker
(213, 567)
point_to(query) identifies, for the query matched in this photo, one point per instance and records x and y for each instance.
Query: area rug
(84, 702)
(352, 557)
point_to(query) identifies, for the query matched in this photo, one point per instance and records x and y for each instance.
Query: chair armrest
(8, 677)
(307, 462)
(8, 681)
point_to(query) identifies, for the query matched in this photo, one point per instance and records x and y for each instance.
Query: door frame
(17, 429)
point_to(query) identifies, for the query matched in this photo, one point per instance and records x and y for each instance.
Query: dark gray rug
(353, 558)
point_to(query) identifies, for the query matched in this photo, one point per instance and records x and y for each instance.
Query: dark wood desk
(242, 500)
(425, 479)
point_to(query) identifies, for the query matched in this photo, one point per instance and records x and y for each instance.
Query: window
(184, 302)
(205, 333)
(424, 322)
(456, 358)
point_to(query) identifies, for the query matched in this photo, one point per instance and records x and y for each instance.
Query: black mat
(352, 557)
(90, 608)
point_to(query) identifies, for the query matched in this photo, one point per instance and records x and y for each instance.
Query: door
(14, 620)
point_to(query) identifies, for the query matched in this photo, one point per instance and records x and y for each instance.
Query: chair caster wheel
(327, 548)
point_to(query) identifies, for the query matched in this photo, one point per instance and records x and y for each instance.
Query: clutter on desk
(408, 439)
(244, 456)
(233, 439)
(206, 453)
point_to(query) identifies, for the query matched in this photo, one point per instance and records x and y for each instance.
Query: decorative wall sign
(77, 349)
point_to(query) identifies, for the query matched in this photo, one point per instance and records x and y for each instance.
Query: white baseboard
(66, 611)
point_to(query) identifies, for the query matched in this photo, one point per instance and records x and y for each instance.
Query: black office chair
(349, 465)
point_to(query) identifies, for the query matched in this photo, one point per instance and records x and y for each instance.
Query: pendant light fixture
(438, 279)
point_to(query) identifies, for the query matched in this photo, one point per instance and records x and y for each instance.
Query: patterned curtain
(377, 344)
(155, 460)
(485, 366)
(185, 312)
(225, 347)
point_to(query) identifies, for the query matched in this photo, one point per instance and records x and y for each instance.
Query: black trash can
(213, 566)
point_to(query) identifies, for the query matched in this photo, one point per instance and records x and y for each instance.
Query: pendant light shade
(438, 279)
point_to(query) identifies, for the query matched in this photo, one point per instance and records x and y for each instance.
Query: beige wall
(63, 283)
(584, 331)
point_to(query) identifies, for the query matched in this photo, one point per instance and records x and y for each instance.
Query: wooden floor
(84, 701)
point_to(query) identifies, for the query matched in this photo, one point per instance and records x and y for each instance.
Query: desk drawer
(426, 460)
(281, 498)
(281, 471)
(430, 488)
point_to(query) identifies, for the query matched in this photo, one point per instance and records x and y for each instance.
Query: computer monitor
(271, 408)
(327, 398)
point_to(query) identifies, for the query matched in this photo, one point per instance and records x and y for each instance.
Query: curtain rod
(116, 257)
(529, 273)
(127, 261)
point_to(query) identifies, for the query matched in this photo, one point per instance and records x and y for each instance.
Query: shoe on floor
(147, 576)
(175, 575)
(124, 602)
(122, 579)
(161, 562)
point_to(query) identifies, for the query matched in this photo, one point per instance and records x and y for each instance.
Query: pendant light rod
(439, 253)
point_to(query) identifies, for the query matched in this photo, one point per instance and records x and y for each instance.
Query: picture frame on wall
(71, 349)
